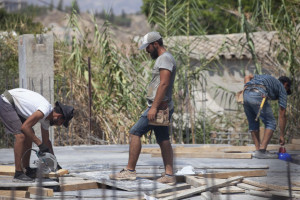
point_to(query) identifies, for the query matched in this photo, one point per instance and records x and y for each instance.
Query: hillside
(58, 22)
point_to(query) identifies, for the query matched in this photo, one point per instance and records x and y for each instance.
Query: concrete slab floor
(99, 157)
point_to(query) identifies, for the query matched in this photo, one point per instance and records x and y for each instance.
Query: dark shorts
(141, 127)
(9, 118)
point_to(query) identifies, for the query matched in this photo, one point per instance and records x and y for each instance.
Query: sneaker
(22, 178)
(124, 174)
(31, 172)
(170, 180)
(265, 155)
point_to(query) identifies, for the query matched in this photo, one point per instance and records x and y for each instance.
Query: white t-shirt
(27, 102)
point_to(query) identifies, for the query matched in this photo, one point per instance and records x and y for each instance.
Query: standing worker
(258, 89)
(20, 110)
(159, 95)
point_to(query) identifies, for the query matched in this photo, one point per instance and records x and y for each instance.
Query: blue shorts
(141, 127)
(252, 101)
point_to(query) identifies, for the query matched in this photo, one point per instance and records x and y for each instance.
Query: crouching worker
(261, 88)
(20, 110)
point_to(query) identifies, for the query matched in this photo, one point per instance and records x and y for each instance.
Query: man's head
(151, 42)
(287, 83)
(62, 114)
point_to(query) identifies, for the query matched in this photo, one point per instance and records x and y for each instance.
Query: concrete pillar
(36, 63)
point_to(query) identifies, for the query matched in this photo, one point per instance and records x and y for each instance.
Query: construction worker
(20, 110)
(159, 95)
(258, 89)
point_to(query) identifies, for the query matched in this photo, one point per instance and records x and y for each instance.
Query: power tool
(46, 162)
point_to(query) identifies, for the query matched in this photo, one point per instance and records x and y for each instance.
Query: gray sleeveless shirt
(164, 61)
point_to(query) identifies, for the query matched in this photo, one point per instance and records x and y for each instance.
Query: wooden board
(41, 191)
(7, 170)
(271, 183)
(6, 182)
(250, 187)
(214, 148)
(84, 185)
(15, 193)
(210, 155)
(193, 191)
(196, 181)
(58, 173)
(231, 190)
(177, 187)
(295, 141)
(250, 173)
(9, 198)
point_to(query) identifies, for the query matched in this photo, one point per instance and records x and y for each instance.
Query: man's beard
(154, 53)
(53, 122)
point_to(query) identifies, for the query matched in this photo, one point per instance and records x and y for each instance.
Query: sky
(129, 6)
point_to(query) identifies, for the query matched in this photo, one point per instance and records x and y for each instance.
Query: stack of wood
(216, 151)
(58, 181)
(205, 186)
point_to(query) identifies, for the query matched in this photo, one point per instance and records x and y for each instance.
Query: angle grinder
(46, 162)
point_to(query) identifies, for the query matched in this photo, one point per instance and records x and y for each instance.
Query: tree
(51, 5)
(60, 5)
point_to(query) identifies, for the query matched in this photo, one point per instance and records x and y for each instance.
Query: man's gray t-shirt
(164, 61)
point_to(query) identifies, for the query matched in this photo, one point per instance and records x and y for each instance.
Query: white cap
(149, 38)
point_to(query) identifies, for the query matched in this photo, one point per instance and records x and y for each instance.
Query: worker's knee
(20, 137)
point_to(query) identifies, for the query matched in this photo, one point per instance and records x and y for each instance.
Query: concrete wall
(36, 62)
(225, 78)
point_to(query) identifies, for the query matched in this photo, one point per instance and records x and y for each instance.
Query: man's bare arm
(46, 139)
(27, 129)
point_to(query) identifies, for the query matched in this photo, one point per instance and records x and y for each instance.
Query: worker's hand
(152, 113)
(43, 149)
(281, 140)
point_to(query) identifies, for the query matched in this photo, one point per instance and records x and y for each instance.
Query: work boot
(265, 155)
(124, 174)
(31, 172)
(167, 179)
(21, 178)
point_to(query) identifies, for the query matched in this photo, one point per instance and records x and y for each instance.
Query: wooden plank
(7, 182)
(15, 193)
(41, 191)
(9, 198)
(250, 173)
(250, 187)
(207, 195)
(295, 141)
(7, 170)
(10, 171)
(84, 185)
(259, 193)
(196, 181)
(265, 185)
(180, 186)
(210, 155)
(193, 191)
(58, 173)
(210, 148)
(231, 190)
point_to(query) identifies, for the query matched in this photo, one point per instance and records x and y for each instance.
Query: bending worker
(259, 87)
(20, 110)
